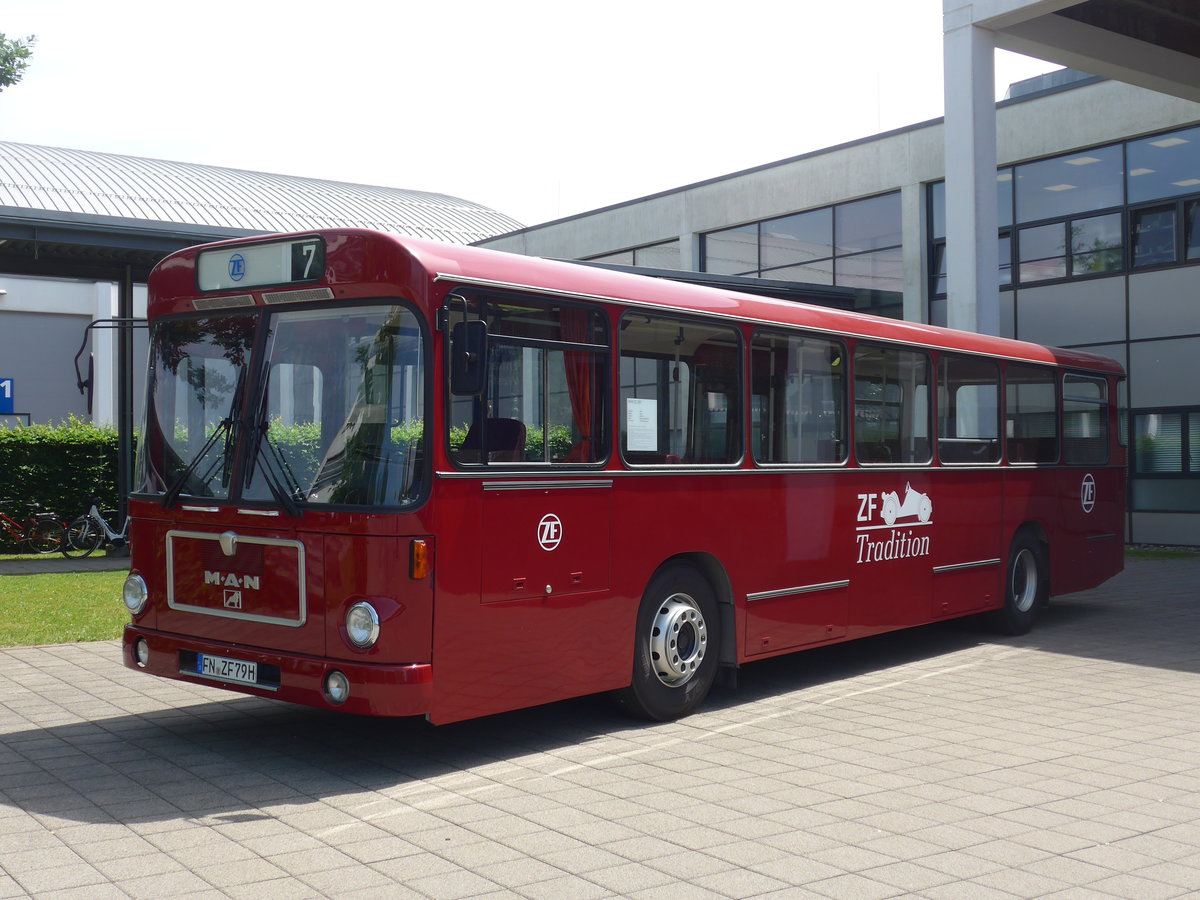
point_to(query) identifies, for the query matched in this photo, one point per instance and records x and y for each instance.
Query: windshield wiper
(224, 427)
(275, 468)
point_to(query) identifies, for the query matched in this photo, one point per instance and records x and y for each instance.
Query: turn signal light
(418, 560)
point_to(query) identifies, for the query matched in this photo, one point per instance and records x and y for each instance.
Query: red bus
(401, 478)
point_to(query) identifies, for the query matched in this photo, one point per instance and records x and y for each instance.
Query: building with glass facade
(1098, 240)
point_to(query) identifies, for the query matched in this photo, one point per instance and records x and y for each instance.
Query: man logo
(550, 531)
(233, 599)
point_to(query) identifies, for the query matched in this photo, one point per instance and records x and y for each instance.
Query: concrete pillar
(971, 225)
(104, 357)
(916, 273)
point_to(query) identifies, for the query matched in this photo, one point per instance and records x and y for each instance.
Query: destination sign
(255, 265)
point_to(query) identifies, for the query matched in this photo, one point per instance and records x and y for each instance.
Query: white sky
(536, 108)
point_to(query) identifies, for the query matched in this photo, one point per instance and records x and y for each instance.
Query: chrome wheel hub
(1024, 585)
(678, 640)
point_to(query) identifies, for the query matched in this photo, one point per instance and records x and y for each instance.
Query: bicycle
(43, 531)
(91, 531)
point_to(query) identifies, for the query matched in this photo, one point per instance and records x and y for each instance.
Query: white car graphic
(914, 504)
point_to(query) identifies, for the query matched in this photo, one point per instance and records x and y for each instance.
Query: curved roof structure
(128, 189)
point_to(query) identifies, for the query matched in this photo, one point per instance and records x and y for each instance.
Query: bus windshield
(336, 416)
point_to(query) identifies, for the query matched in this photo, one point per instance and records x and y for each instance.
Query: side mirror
(468, 357)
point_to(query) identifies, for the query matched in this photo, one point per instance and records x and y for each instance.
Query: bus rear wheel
(1026, 584)
(676, 645)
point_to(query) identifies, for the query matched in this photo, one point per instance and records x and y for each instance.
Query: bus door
(968, 555)
(538, 623)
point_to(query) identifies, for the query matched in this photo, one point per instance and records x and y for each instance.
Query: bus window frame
(931, 387)
(472, 307)
(1103, 405)
(738, 395)
(846, 409)
(946, 358)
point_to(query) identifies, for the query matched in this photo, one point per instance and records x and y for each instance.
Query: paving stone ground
(940, 762)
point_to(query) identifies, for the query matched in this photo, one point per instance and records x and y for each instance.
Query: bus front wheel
(1026, 583)
(676, 645)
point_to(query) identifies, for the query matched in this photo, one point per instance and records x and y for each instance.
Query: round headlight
(135, 594)
(362, 625)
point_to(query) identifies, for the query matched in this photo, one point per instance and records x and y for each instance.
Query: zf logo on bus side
(1087, 493)
(550, 531)
(237, 267)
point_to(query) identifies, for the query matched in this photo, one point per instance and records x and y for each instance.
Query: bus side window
(681, 389)
(891, 405)
(799, 399)
(1030, 414)
(1085, 419)
(968, 410)
(543, 398)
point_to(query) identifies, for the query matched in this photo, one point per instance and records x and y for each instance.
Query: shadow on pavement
(223, 761)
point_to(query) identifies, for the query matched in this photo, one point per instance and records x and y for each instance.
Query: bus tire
(1026, 585)
(676, 645)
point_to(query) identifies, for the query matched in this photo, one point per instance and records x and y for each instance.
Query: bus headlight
(135, 594)
(362, 625)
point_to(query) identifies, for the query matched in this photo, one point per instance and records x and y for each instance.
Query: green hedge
(58, 466)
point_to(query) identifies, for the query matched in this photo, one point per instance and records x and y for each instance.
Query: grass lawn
(60, 608)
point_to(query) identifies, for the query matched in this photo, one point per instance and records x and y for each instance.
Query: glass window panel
(819, 272)
(868, 224)
(798, 238)
(1031, 418)
(681, 387)
(1085, 420)
(1158, 443)
(1193, 432)
(937, 267)
(1167, 165)
(1004, 255)
(968, 410)
(351, 428)
(1152, 235)
(1043, 252)
(1004, 197)
(1065, 185)
(882, 270)
(1096, 245)
(732, 251)
(197, 373)
(1166, 494)
(799, 399)
(658, 256)
(937, 210)
(1191, 229)
(542, 404)
(891, 405)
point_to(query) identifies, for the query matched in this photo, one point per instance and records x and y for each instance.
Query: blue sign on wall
(6, 395)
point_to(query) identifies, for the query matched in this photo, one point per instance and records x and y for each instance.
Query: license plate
(227, 669)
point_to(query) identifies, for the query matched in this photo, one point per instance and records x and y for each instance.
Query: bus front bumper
(369, 689)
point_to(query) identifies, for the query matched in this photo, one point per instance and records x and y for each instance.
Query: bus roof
(474, 265)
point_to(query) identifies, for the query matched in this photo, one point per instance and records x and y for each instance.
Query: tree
(14, 56)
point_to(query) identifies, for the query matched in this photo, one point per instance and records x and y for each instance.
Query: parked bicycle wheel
(46, 537)
(83, 538)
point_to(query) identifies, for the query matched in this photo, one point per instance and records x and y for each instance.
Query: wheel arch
(718, 578)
